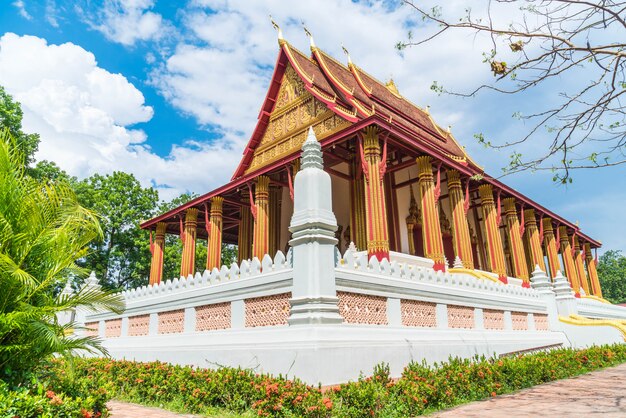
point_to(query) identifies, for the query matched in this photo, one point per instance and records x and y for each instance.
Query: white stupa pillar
(313, 225)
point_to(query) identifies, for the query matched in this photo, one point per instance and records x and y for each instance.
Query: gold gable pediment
(295, 111)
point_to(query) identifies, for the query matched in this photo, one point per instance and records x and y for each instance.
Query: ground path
(600, 393)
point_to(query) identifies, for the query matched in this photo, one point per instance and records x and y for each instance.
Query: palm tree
(43, 231)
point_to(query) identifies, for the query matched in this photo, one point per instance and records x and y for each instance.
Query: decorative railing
(402, 294)
(255, 293)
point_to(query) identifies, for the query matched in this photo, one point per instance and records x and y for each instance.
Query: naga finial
(279, 30)
(345, 51)
(308, 33)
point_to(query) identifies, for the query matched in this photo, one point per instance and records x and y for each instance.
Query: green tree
(122, 258)
(43, 231)
(48, 172)
(11, 118)
(612, 274)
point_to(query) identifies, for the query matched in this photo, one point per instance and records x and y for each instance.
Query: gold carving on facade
(296, 109)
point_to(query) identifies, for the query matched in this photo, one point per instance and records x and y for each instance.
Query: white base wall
(585, 336)
(323, 353)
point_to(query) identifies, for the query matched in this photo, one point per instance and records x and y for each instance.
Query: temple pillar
(214, 247)
(568, 261)
(431, 229)
(375, 205)
(460, 228)
(358, 233)
(592, 270)
(274, 220)
(260, 242)
(580, 267)
(518, 256)
(534, 241)
(411, 221)
(157, 248)
(188, 236)
(495, 250)
(550, 244)
(244, 237)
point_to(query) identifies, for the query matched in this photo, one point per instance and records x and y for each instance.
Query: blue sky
(170, 91)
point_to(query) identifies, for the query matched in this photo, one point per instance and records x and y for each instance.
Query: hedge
(420, 389)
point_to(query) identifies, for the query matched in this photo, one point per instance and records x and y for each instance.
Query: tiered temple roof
(358, 100)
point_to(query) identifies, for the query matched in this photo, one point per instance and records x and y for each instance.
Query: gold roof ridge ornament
(279, 31)
(308, 33)
(345, 51)
(391, 86)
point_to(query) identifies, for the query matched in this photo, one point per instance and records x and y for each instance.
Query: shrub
(421, 388)
(40, 402)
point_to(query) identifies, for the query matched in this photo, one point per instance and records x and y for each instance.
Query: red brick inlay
(92, 329)
(520, 321)
(138, 325)
(212, 317)
(418, 314)
(493, 319)
(460, 316)
(113, 328)
(267, 310)
(541, 322)
(172, 322)
(357, 308)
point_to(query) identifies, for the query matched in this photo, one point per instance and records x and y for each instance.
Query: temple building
(402, 186)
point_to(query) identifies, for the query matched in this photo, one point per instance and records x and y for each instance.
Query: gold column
(158, 246)
(495, 251)
(568, 260)
(214, 248)
(580, 267)
(260, 242)
(274, 220)
(460, 228)
(411, 221)
(534, 243)
(592, 270)
(550, 244)
(431, 229)
(375, 206)
(244, 238)
(517, 246)
(358, 234)
(187, 265)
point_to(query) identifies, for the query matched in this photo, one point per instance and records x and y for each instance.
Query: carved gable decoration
(295, 110)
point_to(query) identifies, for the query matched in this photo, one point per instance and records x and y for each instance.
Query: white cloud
(82, 113)
(21, 8)
(52, 13)
(127, 21)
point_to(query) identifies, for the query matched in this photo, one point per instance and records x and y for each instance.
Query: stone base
(327, 354)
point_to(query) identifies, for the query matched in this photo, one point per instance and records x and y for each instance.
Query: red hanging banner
(466, 203)
(252, 204)
(207, 224)
(558, 235)
(182, 235)
(595, 260)
(438, 185)
(382, 166)
(363, 162)
(522, 227)
(572, 245)
(151, 244)
(541, 228)
(290, 181)
(498, 210)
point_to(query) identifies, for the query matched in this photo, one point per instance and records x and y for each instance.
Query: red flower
(85, 413)
(50, 394)
(493, 393)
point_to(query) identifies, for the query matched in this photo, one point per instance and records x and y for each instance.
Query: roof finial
(449, 129)
(345, 51)
(306, 31)
(279, 30)
(427, 110)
